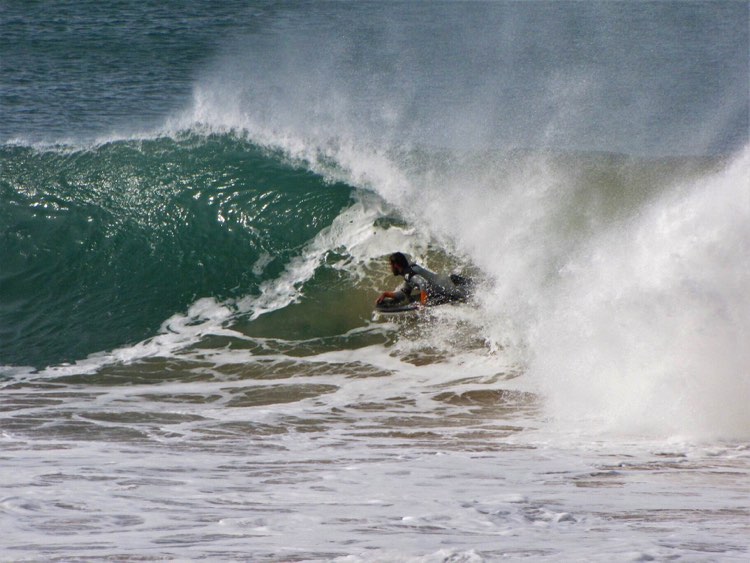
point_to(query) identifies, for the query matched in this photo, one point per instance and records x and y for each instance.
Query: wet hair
(399, 259)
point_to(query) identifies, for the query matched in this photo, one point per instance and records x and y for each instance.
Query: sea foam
(647, 330)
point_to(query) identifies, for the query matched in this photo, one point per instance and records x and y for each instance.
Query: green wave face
(99, 246)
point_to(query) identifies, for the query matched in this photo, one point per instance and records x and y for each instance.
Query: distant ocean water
(196, 205)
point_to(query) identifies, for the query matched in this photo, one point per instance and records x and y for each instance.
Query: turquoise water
(102, 244)
(196, 205)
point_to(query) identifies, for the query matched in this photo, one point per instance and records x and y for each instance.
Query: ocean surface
(197, 202)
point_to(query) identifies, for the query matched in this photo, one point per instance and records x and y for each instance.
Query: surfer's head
(399, 263)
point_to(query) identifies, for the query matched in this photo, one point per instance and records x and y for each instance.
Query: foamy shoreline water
(316, 467)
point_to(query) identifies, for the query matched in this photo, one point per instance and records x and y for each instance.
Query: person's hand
(383, 296)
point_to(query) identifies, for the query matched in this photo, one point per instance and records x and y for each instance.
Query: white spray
(648, 328)
(632, 319)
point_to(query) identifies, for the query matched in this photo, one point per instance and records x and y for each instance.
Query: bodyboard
(404, 307)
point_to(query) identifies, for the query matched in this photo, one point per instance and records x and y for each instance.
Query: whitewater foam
(630, 315)
(647, 330)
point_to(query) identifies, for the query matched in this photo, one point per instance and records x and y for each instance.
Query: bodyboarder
(423, 285)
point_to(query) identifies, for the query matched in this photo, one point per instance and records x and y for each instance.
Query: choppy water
(196, 205)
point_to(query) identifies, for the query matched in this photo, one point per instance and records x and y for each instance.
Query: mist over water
(656, 79)
(571, 171)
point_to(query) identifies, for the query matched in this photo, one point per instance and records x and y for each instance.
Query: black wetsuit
(439, 289)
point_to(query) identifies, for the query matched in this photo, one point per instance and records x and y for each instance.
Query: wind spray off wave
(517, 172)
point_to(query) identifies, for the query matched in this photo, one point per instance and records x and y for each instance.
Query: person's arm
(400, 294)
(386, 295)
